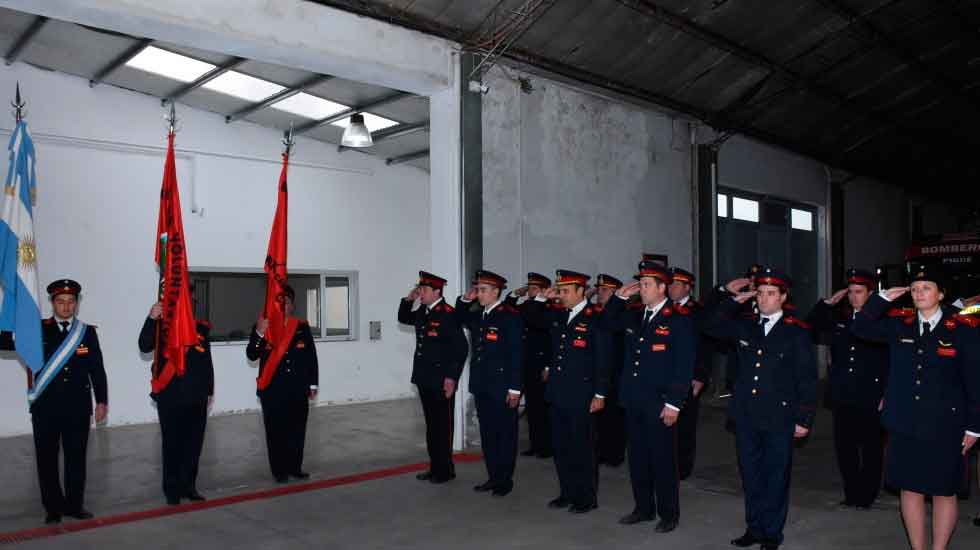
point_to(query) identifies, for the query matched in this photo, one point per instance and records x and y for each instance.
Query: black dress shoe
(502, 490)
(441, 479)
(665, 526)
(52, 518)
(583, 508)
(81, 514)
(559, 502)
(529, 452)
(484, 487)
(635, 517)
(424, 476)
(195, 496)
(300, 475)
(746, 540)
(173, 501)
(282, 479)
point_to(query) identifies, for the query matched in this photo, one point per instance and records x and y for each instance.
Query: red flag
(176, 329)
(279, 334)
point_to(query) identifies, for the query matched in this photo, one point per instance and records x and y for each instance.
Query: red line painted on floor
(13, 537)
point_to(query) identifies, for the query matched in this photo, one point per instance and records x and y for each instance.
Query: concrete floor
(400, 512)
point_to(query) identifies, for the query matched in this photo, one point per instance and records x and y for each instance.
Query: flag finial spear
(288, 140)
(171, 119)
(18, 104)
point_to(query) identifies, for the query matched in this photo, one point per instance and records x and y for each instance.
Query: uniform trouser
(182, 432)
(536, 411)
(859, 442)
(611, 431)
(653, 463)
(51, 433)
(498, 437)
(438, 413)
(285, 433)
(687, 435)
(765, 459)
(573, 439)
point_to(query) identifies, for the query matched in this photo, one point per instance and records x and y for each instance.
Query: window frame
(353, 302)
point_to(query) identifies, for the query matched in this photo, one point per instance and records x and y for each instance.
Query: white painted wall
(594, 182)
(100, 158)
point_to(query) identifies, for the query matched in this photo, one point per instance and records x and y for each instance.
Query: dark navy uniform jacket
(197, 384)
(580, 366)
(705, 345)
(537, 341)
(84, 374)
(933, 388)
(440, 345)
(858, 372)
(776, 380)
(495, 339)
(298, 369)
(659, 358)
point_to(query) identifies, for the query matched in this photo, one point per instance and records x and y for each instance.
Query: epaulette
(48, 321)
(901, 312)
(667, 311)
(444, 307)
(597, 307)
(683, 310)
(967, 320)
(507, 308)
(693, 304)
(635, 306)
(790, 320)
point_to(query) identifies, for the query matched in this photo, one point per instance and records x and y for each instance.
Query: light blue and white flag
(19, 310)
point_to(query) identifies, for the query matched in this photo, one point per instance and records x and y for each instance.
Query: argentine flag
(19, 311)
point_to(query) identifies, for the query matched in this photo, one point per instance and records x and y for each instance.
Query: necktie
(926, 328)
(647, 317)
(763, 321)
(64, 326)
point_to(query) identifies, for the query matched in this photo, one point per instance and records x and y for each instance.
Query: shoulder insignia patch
(683, 310)
(967, 320)
(790, 320)
(667, 311)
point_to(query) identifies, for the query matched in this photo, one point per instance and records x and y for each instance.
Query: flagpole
(171, 119)
(18, 104)
(288, 141)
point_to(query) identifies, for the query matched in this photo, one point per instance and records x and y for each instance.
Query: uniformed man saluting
(658, 366)
(182, 405)
(856, 382)
(495, 375)
(775, 398)
(611, 420)
(440, 352)
(577, 383)
(537, 357)
(61, 402)
(285, 389)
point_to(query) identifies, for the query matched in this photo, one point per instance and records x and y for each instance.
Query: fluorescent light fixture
(373, 122)
(356, 134)
(169, 64)
(243, 86)
(309, 106)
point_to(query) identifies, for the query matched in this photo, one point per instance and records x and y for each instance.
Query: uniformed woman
(931, 407)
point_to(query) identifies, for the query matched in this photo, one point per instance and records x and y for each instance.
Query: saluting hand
(470, 294)
(895, 292)
(743, 297)
(629, 290)
(550, 293)
(736, 285)
(413, 294)
(156, 311)
(520, 291)
(832, 301)
(590, 293)
(261, 326)
(972, 300)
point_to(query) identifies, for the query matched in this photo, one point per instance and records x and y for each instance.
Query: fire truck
(959, 255)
